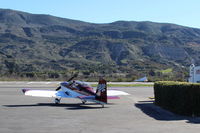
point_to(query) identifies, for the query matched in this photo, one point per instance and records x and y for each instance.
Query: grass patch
(169, 70)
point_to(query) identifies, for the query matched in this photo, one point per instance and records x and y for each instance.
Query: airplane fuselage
(78, 90)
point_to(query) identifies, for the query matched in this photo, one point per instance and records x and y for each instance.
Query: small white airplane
(80, 90)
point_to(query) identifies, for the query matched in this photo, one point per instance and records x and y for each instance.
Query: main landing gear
(83, 101)
(57, 100)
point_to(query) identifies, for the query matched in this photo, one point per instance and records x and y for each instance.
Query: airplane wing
(44, 93)
(111, 94)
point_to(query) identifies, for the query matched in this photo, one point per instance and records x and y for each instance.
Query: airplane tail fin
(101, 92)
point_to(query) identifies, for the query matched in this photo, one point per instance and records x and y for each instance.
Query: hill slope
(43, 43)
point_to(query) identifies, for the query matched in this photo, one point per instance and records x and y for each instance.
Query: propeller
(74, 76)
(58, 88)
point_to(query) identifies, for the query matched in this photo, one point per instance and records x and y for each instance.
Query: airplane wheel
(57, 101)
(83, 102)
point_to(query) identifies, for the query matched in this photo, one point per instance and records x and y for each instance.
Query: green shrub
(179, 97)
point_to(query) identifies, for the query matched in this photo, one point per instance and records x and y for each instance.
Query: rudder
(101, 92)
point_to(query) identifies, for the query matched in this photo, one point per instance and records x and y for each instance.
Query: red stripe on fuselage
(87, 91)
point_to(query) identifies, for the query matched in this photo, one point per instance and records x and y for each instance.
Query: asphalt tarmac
(134, 113)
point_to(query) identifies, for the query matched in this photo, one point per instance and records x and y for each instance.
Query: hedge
(179, 97)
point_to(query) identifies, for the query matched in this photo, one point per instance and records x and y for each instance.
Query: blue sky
(182, 12)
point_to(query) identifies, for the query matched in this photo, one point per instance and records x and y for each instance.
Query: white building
(194, 74)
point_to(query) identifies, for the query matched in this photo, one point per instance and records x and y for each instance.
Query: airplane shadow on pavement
(68, 106)
(150, 109)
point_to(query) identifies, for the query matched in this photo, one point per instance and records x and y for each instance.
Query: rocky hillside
(31, 43)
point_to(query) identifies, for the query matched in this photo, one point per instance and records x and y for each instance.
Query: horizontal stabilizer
(87, 97)
(116, 93)
(113, 97)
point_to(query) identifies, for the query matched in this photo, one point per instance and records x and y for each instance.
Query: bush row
(179, 97)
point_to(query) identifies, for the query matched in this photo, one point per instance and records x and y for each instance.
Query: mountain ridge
(31, 43)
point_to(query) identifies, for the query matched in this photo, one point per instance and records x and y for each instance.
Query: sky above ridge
(182, 12)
